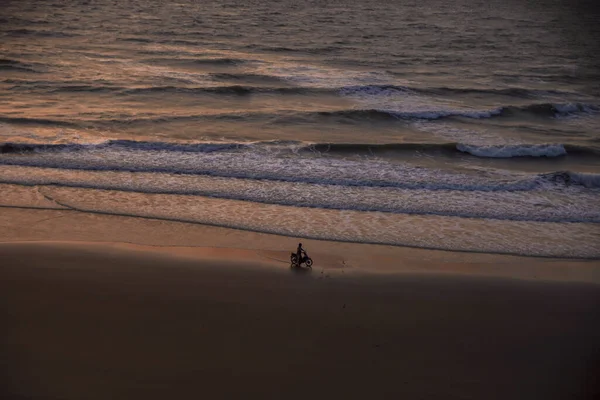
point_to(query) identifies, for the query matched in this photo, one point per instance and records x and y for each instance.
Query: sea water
(449, 124)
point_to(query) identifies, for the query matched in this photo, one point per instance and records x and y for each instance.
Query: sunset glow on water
(445, 125)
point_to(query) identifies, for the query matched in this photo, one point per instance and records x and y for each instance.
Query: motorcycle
(306, 260)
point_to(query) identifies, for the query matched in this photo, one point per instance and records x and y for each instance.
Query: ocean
(459, 125)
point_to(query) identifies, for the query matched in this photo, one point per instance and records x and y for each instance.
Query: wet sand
(126, 321)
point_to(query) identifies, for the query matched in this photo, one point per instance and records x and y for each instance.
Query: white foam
(573, 205)
(566, 108)
(406, 104)
(519, 150)
(588, 180)
(374, 90)
(264, 163)
(570, 108)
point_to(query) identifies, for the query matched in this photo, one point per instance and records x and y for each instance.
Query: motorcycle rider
(299, 252)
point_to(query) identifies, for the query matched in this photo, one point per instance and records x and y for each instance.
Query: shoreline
(542, 239)
(192, 239)
(282, 235)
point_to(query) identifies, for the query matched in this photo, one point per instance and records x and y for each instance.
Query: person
(299, 253)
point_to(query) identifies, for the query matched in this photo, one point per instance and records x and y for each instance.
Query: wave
(14, 65)
(176, 59)
(387, 89)
(588, 180)
(540, 109)
(16, 68)
(83, 88)
(244, 84)
(101, 87)
(36, 121)
(24, 21)
(509, 151)
(137, 40)
(228, 89)
(269, 168)
(61, 87)
(358, 114)
(383, 90)
(217, 61)
(251, 77)
(429, 115)
(508, 92)
(444, 90)
(371, 93)
(134, 119)
(323, 196)
(7, 61)
(285, 49)
(369, 148)
(553, 109)
(544, 109)
(201, 147)
(280, 117)
(280, 161)
(232, 89)
(37, 33)
(498, 151)
(119, 143)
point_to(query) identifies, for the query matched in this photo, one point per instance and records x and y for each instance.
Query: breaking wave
(509, 151)
(286, 161)
(542, 109)
(497, 151)
(14, 65)
(588, 180)
(127, 144)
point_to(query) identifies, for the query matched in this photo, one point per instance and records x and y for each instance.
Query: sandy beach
(101, 307)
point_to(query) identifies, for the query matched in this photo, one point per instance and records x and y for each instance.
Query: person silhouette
(299, 252)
